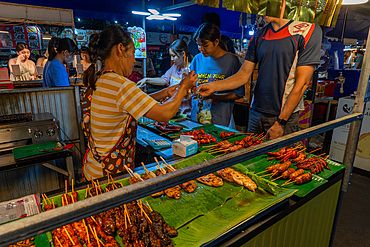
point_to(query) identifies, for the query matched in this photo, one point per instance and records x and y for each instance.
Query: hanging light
(353, 2)
(154, 14)
(46, 35)
(4, 32)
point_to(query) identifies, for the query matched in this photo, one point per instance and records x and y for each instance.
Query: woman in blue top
(61, 52)
(214, 63)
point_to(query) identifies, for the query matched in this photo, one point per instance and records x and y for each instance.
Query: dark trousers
(261, 123)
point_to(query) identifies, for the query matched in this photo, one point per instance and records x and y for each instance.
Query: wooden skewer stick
(87, 231)
(86, 191)
(96, 188)
(170, 166)
(301, 150)
(150, 208)
(150, 173)
(58, 241)
(265, 175)
(47, 198)
(327, 157)
(68, 235)
(128, 216)
(43, 197)
(261, 172)
(288, 183)
(274, 174)
(121, 184)
(142, 210)
(321, 155)
(315, 150)
(65, 183)
(276, 178)
(53, 203)
(163, 171)
(96, 237)
(97, 181)
(72, 185)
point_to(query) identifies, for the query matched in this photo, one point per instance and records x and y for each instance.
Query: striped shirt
(113, 102)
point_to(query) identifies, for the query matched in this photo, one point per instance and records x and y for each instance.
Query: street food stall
(237, 190)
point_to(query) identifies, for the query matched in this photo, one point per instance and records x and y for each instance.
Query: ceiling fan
(153, 14)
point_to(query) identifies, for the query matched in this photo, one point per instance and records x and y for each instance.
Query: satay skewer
(128, 216)
(315, 150)
(150, 208)
(170, 166)
(150, 173)
(163, 171)
(96, 237)
(65, 184)
(68, 235)
(97, 181)
(86, 191)
(87, 231)
(56, 237)
(276, 178)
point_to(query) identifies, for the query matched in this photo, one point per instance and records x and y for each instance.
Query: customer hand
(141, 83)
(275, 131)
(206, 89)
(189, 81)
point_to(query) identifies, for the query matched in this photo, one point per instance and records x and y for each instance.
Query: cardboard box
(184, 146)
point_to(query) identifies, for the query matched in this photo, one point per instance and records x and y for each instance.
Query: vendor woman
(27, 67)
(117, 103)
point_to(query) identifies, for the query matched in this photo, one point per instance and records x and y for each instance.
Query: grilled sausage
(287, 173)
(296, 174)
(303, 178)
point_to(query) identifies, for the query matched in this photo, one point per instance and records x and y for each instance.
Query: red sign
(12, 35)
(153, 48)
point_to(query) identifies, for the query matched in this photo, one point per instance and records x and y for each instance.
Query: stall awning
(10, 12)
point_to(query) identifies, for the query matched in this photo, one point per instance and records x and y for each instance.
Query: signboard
(159, 38)
(340, 134)
(139, 37)
(26, 34)
(367, 93)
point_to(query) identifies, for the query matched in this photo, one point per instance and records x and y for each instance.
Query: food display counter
(230, 215)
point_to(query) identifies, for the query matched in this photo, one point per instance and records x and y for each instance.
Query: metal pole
(354, 129)
(144, 60)
(344, 24)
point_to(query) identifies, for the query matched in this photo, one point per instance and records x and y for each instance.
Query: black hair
(85, 50)
(20, 46)
(179, 46)
(360, 52)
(209, 31)
(57, 45)
(101, 46)
(213, 18)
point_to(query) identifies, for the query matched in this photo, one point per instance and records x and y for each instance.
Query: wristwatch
(281, 121)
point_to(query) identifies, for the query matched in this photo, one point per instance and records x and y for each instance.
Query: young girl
(27, 67)
(212, 64)
(61, 53)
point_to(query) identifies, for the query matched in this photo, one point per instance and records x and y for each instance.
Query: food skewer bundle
(301, 179)
(136, 223)
(200, 136)
(225, 134)
(228, 147)
(167, 127)
(287, 154)
(314, 164)
(278, 169)
(232, 175)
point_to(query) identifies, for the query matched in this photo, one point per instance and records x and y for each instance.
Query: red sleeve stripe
(308, 36)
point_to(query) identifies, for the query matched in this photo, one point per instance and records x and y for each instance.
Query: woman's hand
(20, 58)
(189, 81)
(171, 90)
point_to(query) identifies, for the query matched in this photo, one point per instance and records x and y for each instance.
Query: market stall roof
(356, 27)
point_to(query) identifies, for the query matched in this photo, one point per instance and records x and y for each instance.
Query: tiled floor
(353, 229)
